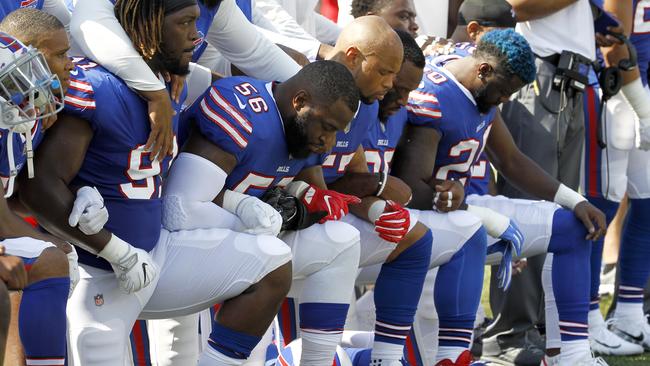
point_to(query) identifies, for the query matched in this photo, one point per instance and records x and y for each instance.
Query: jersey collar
(462, 88)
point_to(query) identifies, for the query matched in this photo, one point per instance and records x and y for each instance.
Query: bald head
(373, 52)
(370, 34)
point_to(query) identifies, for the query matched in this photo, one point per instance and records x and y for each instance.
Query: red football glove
(319, 200)
(394, 223)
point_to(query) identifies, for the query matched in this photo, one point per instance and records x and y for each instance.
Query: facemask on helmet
(28, 92)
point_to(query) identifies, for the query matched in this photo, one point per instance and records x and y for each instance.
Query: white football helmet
(28, 92)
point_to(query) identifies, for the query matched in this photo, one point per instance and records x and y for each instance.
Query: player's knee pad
(98, 344)
(568, 233)
(450, 231)
(175, 341)
(621, 131)
(320, 245)
(638, 175)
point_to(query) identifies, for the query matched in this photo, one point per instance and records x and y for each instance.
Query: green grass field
(604, 305)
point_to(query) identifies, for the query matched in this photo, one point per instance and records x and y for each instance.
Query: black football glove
(294, 213)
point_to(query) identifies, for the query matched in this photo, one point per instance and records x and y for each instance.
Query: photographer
(546, 118)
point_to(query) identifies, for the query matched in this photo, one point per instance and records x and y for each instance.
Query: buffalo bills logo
(28, 3)
(99, 299)
(198, 41)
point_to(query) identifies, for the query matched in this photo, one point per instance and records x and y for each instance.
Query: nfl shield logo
(99, 299)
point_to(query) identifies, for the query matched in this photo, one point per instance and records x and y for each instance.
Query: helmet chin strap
(23, 129)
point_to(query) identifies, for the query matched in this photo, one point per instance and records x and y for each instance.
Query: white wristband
(495, 223)
(231, 200)
(115, 249)
(297, 188)
(567, 197)
(637, 96)
(376, 209)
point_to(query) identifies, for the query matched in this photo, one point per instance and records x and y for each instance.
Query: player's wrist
(567, 197)
(232, 201)
(494, 223)
(376, 209)
(115, 250)
(381, 184)
(297, 188)
(637, 96)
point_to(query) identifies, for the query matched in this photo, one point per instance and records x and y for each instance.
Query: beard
(172, 64)
(482, 104)
(296, 134)
(387, 102)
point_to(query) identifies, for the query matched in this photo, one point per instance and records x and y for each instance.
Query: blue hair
(512, 48)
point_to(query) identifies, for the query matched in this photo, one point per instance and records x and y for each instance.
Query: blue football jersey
(347, 143)
(239, 115)
(480, 172)
(203, 24)
(440, 102)
(246, 7)
(381, 141)
(640, 36)
(116, 163)
(7, 6)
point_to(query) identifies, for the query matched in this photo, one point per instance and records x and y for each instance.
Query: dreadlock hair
(142, 21)
(510, 51)
(363, 7)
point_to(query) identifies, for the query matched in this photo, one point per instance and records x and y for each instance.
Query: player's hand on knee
(133, 267)
(392, 221)
(73, 269)
(294, 213)
(644, 138)
(500, 226)
(88, 211)
(258, 217)
(316, 200)
(449, 196)
(592, 218)
(12, 272)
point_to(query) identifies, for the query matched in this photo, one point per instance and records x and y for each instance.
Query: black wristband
(383, 177)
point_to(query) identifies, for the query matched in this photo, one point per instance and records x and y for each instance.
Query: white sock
(211, 357)
(595, 318)
(318, 349)
(383, 354)
(573, 351)
(629, 310)
(450, 353)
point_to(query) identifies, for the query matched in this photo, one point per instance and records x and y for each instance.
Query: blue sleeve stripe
(225, 126)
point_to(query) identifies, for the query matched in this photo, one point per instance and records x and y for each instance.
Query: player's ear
(484, 70)
(300, 100)
(353, 57)
(474, 30)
